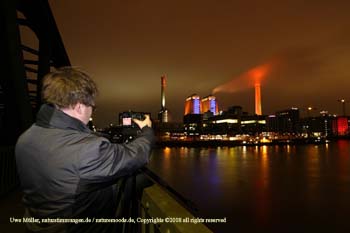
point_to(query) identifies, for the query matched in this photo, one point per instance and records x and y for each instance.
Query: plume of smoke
(291, 66)
(248, 79)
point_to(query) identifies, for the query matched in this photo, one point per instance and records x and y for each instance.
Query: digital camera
(126, 118)
(129, 129)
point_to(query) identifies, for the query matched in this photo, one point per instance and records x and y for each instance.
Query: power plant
(195, 105)
(210, 104)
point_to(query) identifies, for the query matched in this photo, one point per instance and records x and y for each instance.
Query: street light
(309, 109)
(343, 102)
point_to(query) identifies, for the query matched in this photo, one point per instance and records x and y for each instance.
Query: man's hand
(146, 122)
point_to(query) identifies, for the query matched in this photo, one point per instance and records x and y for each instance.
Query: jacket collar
(51, 117)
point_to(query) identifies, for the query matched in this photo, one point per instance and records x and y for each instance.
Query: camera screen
(126, 121)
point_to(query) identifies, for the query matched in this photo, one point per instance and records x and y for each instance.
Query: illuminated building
(209, 104)
(234, 121)
(193, 119)
(193, 105)
(341, 126)
(163, 115)
(193, 124)
(253, 124)
(226, 123)
(319, 126)
(257, 99)
(286, 121)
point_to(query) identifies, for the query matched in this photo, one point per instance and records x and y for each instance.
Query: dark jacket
(67, 172)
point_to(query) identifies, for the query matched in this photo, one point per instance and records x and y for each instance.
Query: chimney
(257, 99)
(163, 115)
(163, 84)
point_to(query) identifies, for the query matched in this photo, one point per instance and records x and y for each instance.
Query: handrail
(188, 204)
(160, 213)
(172, 210)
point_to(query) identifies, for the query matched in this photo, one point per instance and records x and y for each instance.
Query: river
(303, 188)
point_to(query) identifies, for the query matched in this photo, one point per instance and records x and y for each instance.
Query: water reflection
(267, 188)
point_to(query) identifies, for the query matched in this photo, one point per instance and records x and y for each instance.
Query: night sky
(302, 49)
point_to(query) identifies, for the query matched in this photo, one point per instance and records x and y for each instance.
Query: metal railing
(164, 210)
(161, 213)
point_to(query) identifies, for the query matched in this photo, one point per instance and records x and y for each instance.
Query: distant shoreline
(219, 143)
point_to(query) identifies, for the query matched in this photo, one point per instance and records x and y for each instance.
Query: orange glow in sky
(259, 72)
(248, 79)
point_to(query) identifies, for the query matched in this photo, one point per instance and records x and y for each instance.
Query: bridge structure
(31, 45)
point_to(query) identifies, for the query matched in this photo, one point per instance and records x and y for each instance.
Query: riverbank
(217, 143)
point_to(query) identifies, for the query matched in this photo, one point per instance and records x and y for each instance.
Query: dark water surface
(304, 188)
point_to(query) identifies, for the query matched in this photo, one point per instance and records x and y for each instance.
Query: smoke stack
(163, 115)
(163, 84)
(257, 99)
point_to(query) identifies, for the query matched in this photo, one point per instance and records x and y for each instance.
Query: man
(66, 172)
